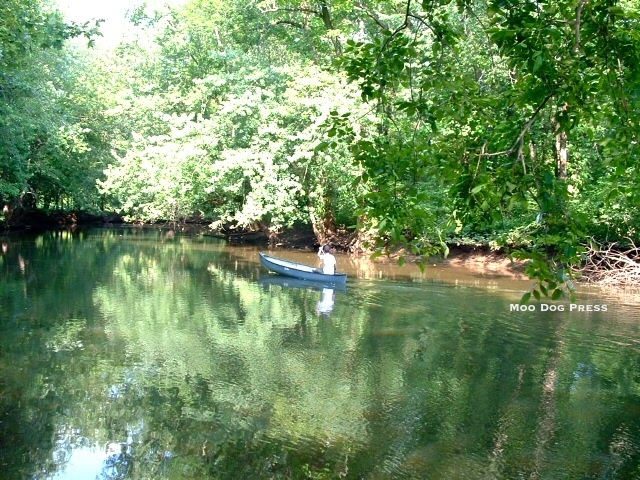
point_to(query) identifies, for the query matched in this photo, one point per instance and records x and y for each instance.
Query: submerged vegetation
(413, 124)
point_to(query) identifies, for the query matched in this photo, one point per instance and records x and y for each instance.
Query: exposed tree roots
(612, 264)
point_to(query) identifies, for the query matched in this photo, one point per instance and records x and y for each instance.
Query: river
(130, 353)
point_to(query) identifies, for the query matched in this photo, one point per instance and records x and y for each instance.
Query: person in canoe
(328, 260)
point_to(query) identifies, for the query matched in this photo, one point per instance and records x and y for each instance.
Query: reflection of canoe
(300, 270)
(299, 283)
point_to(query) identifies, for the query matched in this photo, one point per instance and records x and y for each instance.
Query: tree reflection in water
(186, 364)
(118, 463)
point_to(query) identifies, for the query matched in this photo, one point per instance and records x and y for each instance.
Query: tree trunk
(328, 24)
(562, 155)
(323, 221)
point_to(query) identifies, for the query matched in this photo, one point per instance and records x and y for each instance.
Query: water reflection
(325, 304)
(290, 282)
(136, 356)
(326, 299)
(117, 464)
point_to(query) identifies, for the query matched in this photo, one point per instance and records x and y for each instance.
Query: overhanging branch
(527, 126)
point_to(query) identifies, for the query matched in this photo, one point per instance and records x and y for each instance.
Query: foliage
(45, 136)
(239, 133)
(490, 94)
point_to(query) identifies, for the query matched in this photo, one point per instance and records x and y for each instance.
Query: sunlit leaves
(163, 177)
(453, 123)
(255, 134)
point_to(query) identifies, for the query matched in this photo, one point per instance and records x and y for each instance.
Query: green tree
(497, 126)
(42, 147)
(227, 127)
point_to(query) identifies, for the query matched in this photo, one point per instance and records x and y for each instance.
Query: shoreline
(477, 259)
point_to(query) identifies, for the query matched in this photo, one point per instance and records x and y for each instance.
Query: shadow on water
(127, 354)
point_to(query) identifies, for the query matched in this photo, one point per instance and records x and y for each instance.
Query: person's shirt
(328, 263)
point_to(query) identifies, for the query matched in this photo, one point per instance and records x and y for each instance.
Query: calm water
(127, 354)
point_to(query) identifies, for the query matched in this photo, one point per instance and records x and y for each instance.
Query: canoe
(300, 270)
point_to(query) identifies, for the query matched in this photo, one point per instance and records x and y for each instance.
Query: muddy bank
(477, 261)
(486, 261)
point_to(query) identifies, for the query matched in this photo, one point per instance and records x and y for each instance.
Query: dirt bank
(486, 262)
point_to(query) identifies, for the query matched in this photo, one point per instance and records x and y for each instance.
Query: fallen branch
(611, 264)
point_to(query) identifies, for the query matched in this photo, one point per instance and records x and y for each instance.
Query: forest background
(508, 124)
